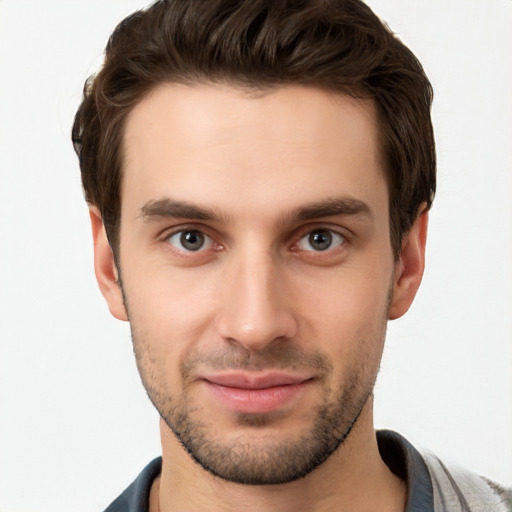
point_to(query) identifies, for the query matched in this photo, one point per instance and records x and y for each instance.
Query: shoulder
(436, 486)
(457, 489)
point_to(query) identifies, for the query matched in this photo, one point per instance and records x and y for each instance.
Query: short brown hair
(338, 45)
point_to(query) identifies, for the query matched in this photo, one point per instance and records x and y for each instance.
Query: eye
(320, 240)
(190, 240)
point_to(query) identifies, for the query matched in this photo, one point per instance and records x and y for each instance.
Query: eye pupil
(192, 240)
(320, 240)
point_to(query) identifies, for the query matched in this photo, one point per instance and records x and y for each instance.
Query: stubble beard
(270, 460)
(265, 462)
(278, 461)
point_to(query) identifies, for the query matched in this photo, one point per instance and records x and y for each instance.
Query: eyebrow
(169, 208)
(333, 207)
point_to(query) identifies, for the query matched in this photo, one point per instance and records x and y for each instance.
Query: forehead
(213, 144)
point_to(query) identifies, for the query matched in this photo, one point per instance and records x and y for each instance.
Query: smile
(253, 393)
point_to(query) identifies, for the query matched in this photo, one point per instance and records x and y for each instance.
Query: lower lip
(256, 401)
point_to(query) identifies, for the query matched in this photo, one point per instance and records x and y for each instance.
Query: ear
(409, 267)
(105, 267)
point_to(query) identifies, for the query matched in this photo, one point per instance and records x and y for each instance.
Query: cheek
(170, 295)
(169, 312)
(346, 309)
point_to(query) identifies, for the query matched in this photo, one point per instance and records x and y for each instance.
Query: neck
(354, 478)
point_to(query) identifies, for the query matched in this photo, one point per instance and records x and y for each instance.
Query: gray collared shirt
(431, 486)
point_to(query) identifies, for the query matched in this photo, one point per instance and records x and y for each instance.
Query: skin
(257, 175)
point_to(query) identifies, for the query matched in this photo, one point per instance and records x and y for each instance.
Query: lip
(255, 393)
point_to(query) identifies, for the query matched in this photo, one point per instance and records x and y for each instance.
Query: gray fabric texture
(432, 486)
(458, 490)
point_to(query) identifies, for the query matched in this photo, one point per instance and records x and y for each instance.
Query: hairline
(256, 90)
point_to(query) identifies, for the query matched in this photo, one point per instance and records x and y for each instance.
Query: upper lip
(254, 380)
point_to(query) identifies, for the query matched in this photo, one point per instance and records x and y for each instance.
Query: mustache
(272, 357)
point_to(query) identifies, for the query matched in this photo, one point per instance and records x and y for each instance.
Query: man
(259, 175)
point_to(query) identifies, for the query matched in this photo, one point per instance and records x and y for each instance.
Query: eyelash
(333, 238)
(211, 244)
(340, 239)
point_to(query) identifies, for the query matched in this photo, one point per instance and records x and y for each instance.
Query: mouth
(256, 393)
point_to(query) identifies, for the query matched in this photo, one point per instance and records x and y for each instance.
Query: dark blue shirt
(399, 455)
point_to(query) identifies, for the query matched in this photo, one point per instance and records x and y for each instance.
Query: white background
(75, 425)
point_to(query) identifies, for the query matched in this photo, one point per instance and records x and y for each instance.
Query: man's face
(257, 271)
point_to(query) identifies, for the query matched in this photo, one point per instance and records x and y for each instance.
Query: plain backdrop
(75, 424)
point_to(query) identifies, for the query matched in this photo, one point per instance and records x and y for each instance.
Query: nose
(256, 306)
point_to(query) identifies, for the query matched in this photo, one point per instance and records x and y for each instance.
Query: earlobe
(409, 267)
(105, 267)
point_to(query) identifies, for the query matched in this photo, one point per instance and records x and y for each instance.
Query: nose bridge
(255, 310)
